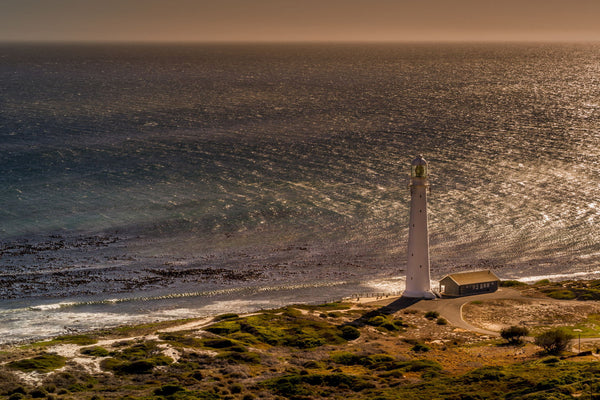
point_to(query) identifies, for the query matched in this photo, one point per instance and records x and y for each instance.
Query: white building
(418, 283)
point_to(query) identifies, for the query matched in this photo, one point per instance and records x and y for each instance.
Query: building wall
(451, 288)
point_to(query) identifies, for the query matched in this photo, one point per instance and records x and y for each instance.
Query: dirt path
(451, 308)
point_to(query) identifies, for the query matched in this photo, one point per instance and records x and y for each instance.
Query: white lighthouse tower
(418, 283)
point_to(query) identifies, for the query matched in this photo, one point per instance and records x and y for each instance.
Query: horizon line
(292, 42)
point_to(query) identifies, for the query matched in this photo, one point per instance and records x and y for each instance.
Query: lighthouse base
(414, 294)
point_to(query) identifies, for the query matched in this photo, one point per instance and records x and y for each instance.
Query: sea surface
(148, 182)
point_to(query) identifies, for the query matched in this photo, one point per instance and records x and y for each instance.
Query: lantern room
(419, 168)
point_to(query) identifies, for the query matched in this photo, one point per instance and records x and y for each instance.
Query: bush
(81, 340)
(95, 351)
(554, 341)
(512, 283)
(420, 348)
(377, 320)
(441, 321)
(224, 327)
(236, 388)
(431, 315)
(241, 357)
(350, 332)
(38, 393)
(226, 316)
(224, 344)
(514, 334)
(168, 390)
(43, 363)
(346, 358)
(135, 367)
(563, 294)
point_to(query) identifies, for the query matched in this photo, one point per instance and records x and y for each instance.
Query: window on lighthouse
(420, 171)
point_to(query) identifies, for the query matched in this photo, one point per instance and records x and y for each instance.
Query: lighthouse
(418, 283)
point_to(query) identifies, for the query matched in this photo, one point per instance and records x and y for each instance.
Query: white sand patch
(169, 351)
(201, 323)
(90, 365)
(31, 378)
(66, 350)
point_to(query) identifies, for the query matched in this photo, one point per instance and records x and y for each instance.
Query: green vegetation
(529, 380)
(554, 341)
(288, 328)
(512, 283)
(225, 316)
(514, 334)
(386, 323)
(573, 290)
(305, 352)
(140, 358)
(142, 329)
(80, 340)
(45, 362)
(321, 385)
(431, 315)
(95, 351)
(334, 306)
(420, 348)
(562, 294)
(349, 332)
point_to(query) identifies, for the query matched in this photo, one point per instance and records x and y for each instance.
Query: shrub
(95, 351)
(551, 360)
(137, 359)
(431, 315)
(350, 332)
(135, 367)
(380, 358)
(223, 344)
(484, 374)
(224, 327)
(554, 341)
(236, 388)
(312, 364)
(420, 348)
(441, 321)
(180, 339)
(512, 283)
(81, 340)
(345, 358)
(292, 386)
(514, 334)
(225, 316)
(564, 294)
(38, 393)
(168, 390)
(376, 320)
(243, 357)
(43, 363)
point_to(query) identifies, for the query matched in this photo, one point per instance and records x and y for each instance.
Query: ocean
(149, 182)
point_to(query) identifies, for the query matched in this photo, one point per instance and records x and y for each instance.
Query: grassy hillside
(334, 351)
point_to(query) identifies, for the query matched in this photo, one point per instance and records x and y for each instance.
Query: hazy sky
(300, 20)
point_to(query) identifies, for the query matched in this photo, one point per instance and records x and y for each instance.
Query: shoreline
(64, 317)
